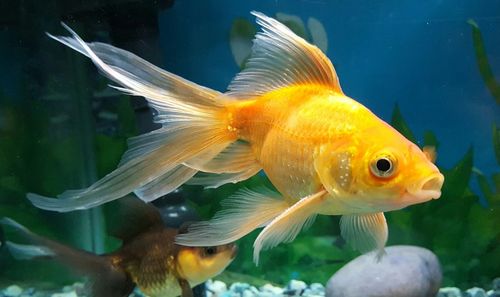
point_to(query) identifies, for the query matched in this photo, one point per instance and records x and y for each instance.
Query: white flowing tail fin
(196, 133)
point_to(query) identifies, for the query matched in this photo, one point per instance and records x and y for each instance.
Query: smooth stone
(239, 287)
(67, 289)
(496, 284)
(267, 294)
(216, 287)
(317, 288)
(405, 271)
(248, 293)
(297, 285)
(310, 293)
(271, 289)
(449, 292)
(254, 290)
(13, 291)
(65, 294)
(492, 293)
(475, 292)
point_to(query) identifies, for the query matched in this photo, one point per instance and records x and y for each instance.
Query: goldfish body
(149, 260)
(284, 114)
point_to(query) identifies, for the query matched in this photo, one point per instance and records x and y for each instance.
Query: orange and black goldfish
(285, 114)
(149, 260)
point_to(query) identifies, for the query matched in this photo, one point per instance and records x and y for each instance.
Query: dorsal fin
(130, 217)
(280, 58)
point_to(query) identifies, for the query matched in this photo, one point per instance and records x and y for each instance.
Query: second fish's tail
(196, 135)
(106, 280)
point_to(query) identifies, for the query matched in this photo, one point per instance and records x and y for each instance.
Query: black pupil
(210, 251)
(383, 165)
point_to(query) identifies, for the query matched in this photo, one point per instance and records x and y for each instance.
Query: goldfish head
(380, 170)
(198, 264)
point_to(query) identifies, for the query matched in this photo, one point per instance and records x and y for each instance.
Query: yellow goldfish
(284, 114)
(148, 259)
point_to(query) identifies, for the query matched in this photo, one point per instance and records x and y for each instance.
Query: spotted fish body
(149, 260)
(285, 114)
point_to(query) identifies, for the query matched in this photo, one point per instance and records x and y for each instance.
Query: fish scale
(284, 113)
(286, 130)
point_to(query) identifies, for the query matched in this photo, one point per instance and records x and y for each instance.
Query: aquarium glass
(428, 68)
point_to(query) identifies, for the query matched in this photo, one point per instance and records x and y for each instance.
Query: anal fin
(242, 213)
(365, 232)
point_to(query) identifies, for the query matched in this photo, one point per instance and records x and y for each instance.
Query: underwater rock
(268, 288)
(405, 271)
(239, 287)
(295, 287)
(475, 292)
(216, 287)
(449, 292)
(315, 289)
(13, 291)
(496, 284)
(65, 294)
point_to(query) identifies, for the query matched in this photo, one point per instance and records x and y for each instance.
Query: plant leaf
(496, 142)
(457, 179)
(430, 139)
(400, 124)
(482, 61)
(240, 40)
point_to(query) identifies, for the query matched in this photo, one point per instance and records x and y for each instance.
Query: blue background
(418, 54)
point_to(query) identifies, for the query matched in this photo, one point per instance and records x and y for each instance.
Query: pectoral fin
(365, 232)
(186, 288)
(286, 226)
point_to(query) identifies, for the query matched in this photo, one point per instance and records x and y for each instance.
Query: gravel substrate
(213, 289)
(217, 288)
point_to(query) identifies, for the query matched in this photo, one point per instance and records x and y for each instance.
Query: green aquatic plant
(482, 62)
(39, 151)
(463, 233)
(243, 31)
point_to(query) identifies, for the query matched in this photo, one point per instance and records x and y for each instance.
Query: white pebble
(65, 294)
(297, 285)
(216, 287)
(317, 289)
(476, 292)
(271, 289)
(449, 292)
(67, 289)
(13, 291)
(239, 287)
(248, 293)
(266, 294)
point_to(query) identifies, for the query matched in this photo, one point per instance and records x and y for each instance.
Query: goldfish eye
(210, 251)
(382, 167)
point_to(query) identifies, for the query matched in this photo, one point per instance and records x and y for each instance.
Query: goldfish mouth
(429, 188)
